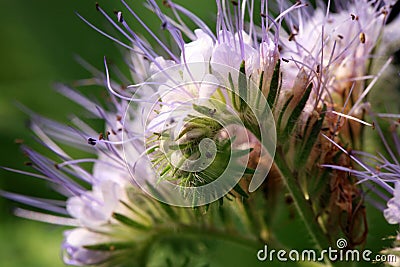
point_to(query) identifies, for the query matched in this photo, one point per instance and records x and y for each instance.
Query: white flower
(334, 49)
(392, 212)
(94, 208)
(191, 92)
(199, 50)
(76, 254)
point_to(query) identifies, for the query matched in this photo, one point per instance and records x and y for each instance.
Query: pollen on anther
(362, 38)
(353, 17)
(91, 141)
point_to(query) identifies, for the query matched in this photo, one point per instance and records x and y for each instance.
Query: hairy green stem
(303, 207)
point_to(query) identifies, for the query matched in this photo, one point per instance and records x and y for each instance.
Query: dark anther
(263, 15)
(97, 6)
(340, 36)
(373, 125)
(318, 68)
(101, 136)
(56, 166)
(91, 141)
(235, 3)
(292, 36)
(119, 130)
(119, 118)
(166, 3)
(286, 60)
(28, 163)
(164, 25)
(113, 132)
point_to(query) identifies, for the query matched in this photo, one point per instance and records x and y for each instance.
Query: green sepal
(167, 208)
(233, 91)
(129, 222)
(241, 152)
(274, 86)
(249, 171)
(242, 87)
(285, 106)
(294, 116)
(302, 157)
(240, 191)
(112, 246)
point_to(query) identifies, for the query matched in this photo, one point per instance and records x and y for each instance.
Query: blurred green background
(37, 47)
(39, 40)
